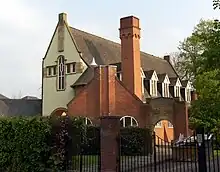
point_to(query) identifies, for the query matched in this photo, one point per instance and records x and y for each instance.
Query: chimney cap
(167, 58)
(62, 17)
(129, 17)
(128, 22)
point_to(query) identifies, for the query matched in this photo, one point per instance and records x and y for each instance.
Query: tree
(188, 60)
(206, 110)
(211, 53)
(216, 4)
(18, 96)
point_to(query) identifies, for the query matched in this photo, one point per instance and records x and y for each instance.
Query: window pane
(159, 124)
(49, 71)
(88, 122)
(170, 125)
(118, 75)
(127, 121)
(54, 70)
(134, 123)
(73, 67)
(67, 68)
(121, 122)
(59, 83)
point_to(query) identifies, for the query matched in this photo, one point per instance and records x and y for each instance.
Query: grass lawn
(86, 160)
(91, 160)
(216, 153)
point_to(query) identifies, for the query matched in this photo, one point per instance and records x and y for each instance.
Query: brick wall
(105, 95)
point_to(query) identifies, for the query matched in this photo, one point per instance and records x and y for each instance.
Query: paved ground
(214, 166)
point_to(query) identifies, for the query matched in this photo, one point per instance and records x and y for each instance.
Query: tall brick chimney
(130, 54)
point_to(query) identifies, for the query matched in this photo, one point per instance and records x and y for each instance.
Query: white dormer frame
(153, 84)
(142, 80)
(177, 87)
(188, 90)
(165, 87)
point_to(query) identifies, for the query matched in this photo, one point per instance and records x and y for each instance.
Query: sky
(26, 28)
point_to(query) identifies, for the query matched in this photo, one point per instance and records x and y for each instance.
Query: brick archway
(58, 111)
(164, 130)
(171, 110)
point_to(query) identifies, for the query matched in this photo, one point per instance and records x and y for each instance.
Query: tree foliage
(206, 110)
(216, 4)
(189, 58)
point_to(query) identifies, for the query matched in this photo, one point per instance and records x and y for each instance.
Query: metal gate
(192, 154)
(87, 154)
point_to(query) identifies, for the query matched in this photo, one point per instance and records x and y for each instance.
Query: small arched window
(128, 121)
(88, 121)
(61, 73)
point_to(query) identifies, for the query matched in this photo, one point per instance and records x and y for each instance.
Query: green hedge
(27, 143)
(136, 141)
(40, 143)
(91, 142)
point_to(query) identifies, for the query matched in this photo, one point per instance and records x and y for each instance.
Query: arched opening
(128, 121)
(59, 111)
(164, 130)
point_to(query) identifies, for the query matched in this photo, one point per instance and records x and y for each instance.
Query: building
(86, 75)
(26, 106)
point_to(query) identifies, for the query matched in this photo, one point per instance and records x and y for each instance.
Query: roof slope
(3, 97)
(20, 107)
(108, 52)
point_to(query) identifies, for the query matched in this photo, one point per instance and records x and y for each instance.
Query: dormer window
(142, 80)
(165, 86)
(177, 91)
(165, 89)
(188, 92)
(153, 84)
(153, 88)
(175, 82)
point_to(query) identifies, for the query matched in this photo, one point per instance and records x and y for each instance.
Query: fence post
(110, 128)
(201, 150)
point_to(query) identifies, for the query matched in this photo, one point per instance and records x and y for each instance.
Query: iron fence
(190, 154)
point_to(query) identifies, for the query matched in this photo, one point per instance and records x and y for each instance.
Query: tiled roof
(30, 98)
(161, 77)
(173, 81)
(20, 107)
(3, 97)
(148, 74)
(108, 52)
(184, 83)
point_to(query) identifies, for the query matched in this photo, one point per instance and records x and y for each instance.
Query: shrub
(91, 141)
(36, 144)
(24, 144)
(136, 141)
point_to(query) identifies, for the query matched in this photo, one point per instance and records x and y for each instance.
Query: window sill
(50, 76)
(70, 73)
